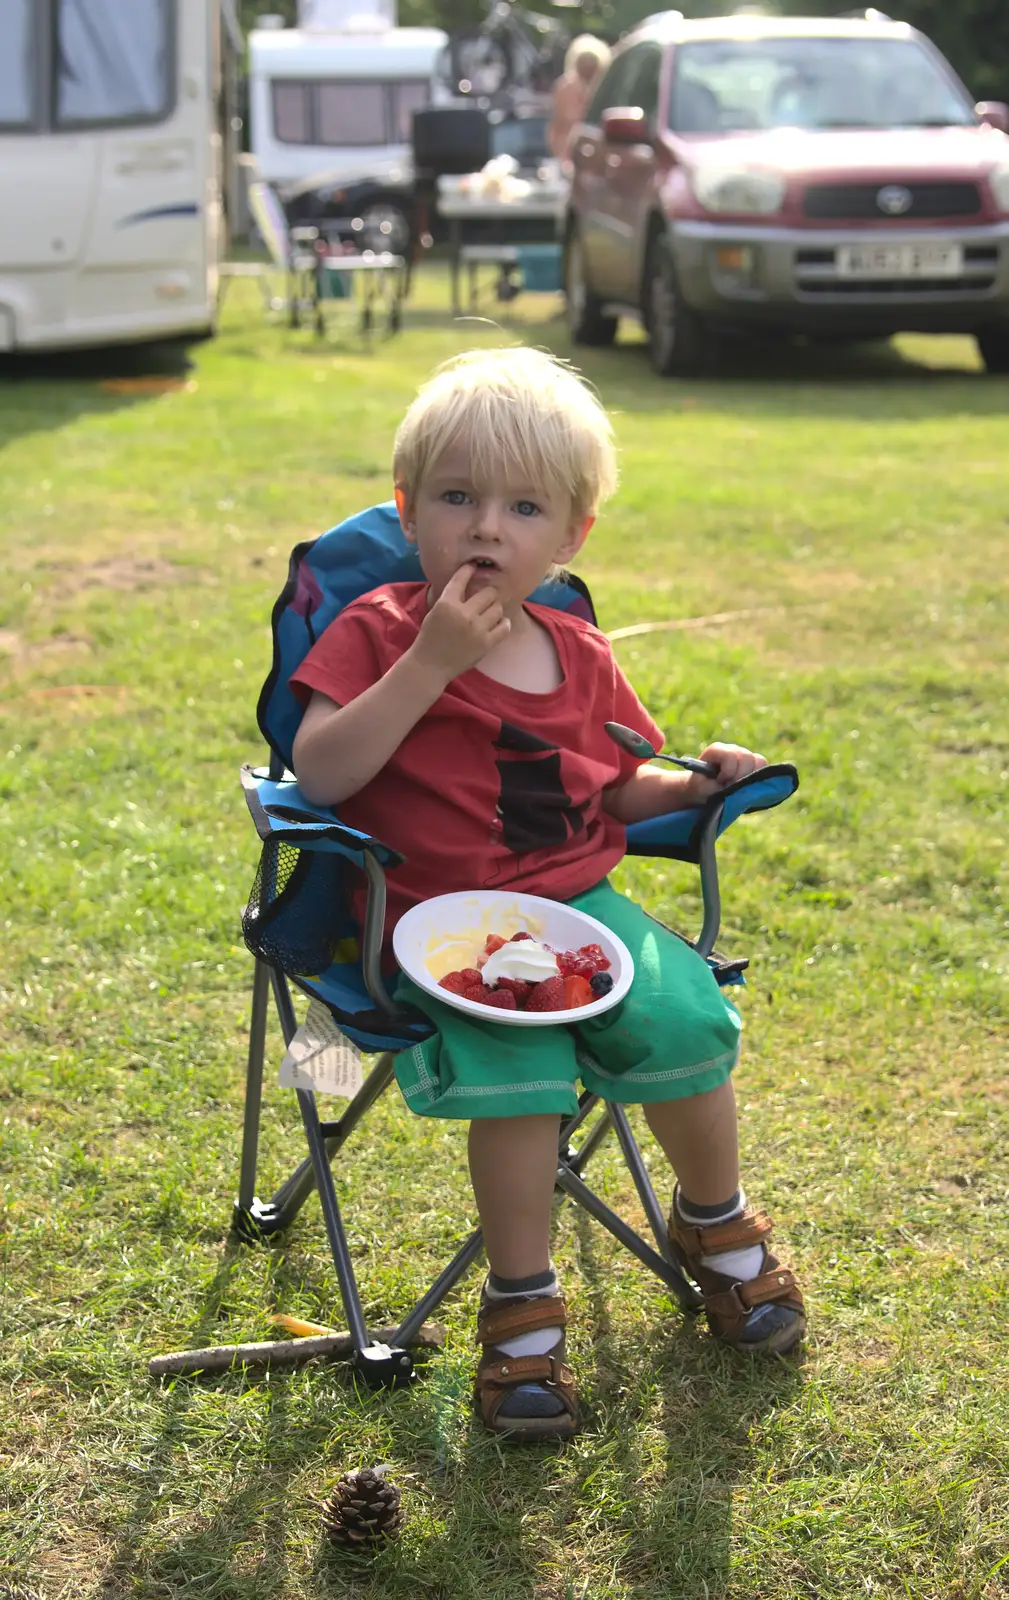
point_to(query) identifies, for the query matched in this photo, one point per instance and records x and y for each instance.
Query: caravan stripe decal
(187, 209)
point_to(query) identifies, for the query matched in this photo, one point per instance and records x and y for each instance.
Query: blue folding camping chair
(298, 926)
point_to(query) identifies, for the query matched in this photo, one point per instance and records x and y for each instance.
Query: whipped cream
(526, 961)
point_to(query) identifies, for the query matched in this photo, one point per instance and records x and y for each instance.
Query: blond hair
(587, 44)
(518, 410)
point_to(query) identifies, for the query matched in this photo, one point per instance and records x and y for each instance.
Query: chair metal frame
(389, 1365)
(378, 279)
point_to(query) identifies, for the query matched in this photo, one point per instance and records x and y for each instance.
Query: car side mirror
(995, 113)
(626, 125)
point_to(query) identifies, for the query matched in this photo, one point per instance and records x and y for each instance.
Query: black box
(449, 141)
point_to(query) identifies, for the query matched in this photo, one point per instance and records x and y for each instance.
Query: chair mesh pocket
(295, 916)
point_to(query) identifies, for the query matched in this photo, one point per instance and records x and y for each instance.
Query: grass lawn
(853, 510)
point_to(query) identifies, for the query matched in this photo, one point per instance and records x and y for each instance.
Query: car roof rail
(659, 16)
(868, 14)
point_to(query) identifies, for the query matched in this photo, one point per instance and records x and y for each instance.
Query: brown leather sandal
(766, 1312)
(497, 1374)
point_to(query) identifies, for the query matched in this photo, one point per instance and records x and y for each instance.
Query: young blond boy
(464, 726)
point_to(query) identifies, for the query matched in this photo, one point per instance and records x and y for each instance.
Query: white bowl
(558, 925)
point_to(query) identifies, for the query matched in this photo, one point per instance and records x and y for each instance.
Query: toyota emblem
(894, 199)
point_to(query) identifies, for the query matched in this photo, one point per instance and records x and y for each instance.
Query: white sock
(540, 1340)
(741, 1265)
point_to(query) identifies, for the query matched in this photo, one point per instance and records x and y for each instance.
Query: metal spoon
(638, 745)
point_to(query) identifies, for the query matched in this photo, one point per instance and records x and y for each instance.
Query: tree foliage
(973, 34)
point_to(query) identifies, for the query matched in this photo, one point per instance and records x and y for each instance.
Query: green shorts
(672, 1036)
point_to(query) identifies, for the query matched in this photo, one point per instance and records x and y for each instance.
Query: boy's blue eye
(526, 508)
(455, 497)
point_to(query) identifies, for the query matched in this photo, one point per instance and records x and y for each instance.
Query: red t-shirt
(494, 788)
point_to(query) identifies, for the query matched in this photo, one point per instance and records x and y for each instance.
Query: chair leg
(583, 1155)
(254, 1084)
(292, 1194)
(247, 1207)
(571, 1183)
(667, 1271)
(639, 1172)
(446, 1281)
(255, 1219)
(380, 1365)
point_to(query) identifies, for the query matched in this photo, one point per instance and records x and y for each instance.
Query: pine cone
(363, 1509)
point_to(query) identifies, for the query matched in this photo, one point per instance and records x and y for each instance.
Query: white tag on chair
(322, 1058)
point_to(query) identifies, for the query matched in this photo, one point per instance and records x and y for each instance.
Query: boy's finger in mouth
(482, 570)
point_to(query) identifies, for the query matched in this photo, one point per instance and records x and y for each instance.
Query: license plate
(900, 261)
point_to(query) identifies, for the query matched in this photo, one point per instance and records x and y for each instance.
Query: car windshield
(724, 86)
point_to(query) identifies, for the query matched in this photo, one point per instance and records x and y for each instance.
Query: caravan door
(47, 185)
(111, 204)
(142, 75)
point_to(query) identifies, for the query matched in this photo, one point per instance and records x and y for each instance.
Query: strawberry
(494, 942)
(517, 938)
(501, 999)
(577, 992)
(547, 996)
(455, 982)
(519, 988)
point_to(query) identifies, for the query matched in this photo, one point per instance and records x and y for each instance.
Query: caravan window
(292, 113)
(114, 63)
(406, 99)
(338, 111)
(350, 113)
(17, 64)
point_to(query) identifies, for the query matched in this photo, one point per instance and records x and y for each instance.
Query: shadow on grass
(195, 1562)
(880, 380)
(40, 391)
(707, 1401)
(487, 1519)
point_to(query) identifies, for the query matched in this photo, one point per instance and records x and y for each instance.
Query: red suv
(829, 177)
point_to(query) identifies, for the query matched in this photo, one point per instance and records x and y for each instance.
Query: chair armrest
(280, 811)
(282, 814)
(678, 834)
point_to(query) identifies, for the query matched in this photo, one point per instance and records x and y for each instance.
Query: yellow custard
(449, 952)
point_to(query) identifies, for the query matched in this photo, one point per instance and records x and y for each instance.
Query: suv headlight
(741, 191)
(999, 180)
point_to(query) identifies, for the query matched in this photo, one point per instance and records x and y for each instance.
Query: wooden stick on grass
(281, 1352)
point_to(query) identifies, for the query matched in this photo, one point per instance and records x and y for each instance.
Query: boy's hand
(459, 631)
(733, 763)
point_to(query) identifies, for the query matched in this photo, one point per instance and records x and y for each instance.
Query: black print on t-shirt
(534, 807)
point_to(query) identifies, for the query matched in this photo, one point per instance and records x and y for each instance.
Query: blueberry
(601, 983)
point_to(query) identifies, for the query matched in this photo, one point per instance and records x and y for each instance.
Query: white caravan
(337, 95)
(116, 121)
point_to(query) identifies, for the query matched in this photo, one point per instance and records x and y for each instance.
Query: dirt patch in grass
(122, 573)
(26, 655)
(827, 581)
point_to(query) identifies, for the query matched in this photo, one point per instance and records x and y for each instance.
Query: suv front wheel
(679, 342)
(586, 322)
(993, 344)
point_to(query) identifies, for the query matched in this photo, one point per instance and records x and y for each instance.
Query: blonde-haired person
(464, 726)
(584, 63)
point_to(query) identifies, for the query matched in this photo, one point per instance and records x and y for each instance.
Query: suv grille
(857, 201)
